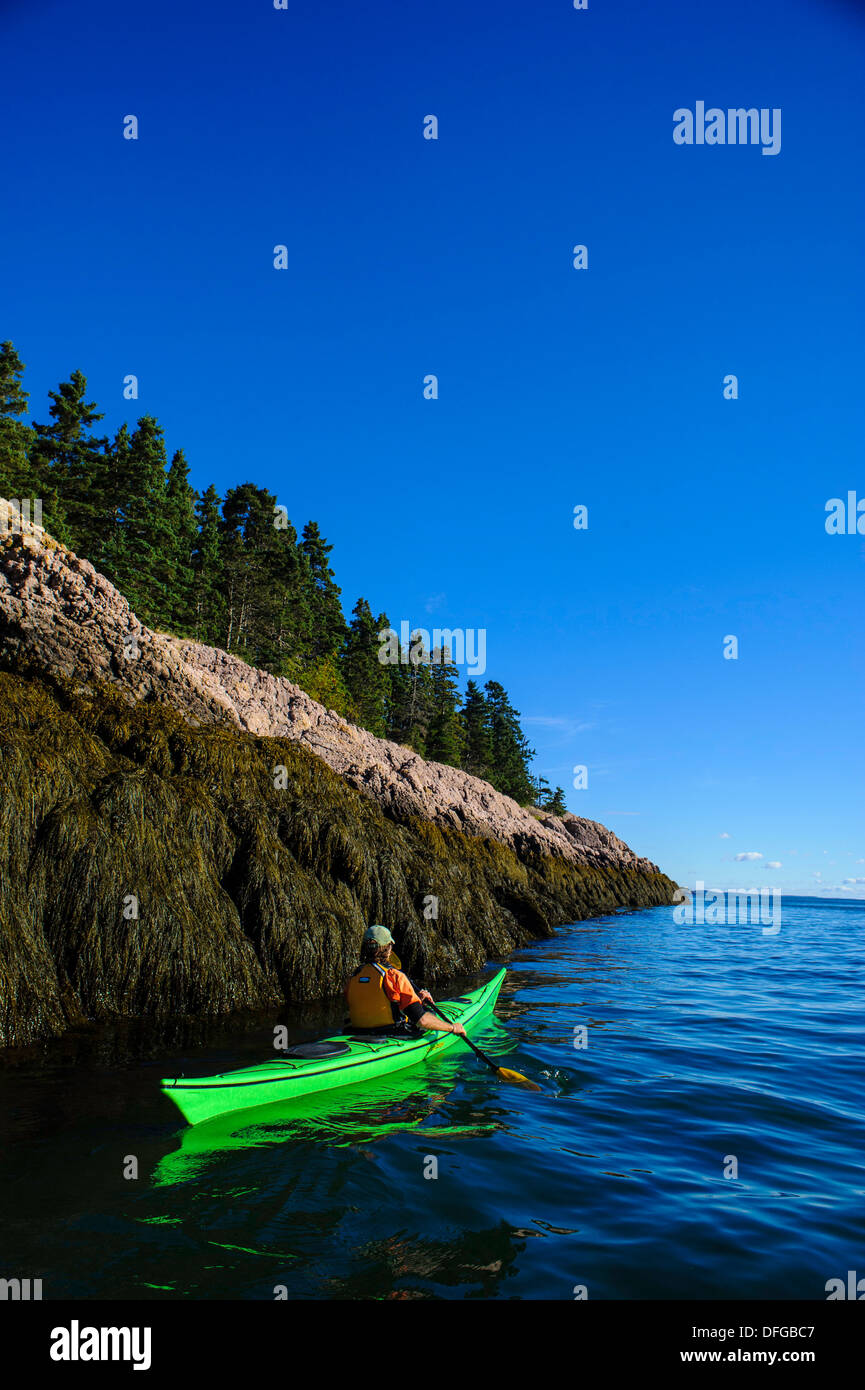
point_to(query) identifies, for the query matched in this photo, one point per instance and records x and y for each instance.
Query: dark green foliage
(267, 618)
(327, 624)
(444, 742)
(253, 885)
(16, 438)
(208, 599)
(556, 802)
(180, 500)
(69, 465)
(478, 751)
(410, 701)
(139, 558)
(510, 752)
(548, 800)
(366, 678)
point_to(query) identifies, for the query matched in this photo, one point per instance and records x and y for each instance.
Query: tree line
(232, 571)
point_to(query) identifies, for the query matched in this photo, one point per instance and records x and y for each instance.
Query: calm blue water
(703, 1042)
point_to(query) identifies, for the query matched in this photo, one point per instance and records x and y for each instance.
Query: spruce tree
(542, 792)
(180, 500)
(328, 626)
(511, 754)
(477, 746)
(266, 583)
(71, 465)
(366, 678)
(246, 532)
(117, 474)
(397, 703)
(410, 698)
(556, 803)
(444, 741)
(142, 551)
(208, 598)
(17, 480)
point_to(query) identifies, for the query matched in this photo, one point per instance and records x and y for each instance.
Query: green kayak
(345, 1060)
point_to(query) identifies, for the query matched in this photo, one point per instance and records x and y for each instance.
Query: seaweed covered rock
(152, 868)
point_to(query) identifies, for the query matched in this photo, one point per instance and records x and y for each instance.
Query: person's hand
(459, 1030)
(426, 996)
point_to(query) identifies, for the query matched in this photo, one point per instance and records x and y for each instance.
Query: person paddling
(383, 999)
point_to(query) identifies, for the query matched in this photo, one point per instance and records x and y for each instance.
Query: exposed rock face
(58, 615)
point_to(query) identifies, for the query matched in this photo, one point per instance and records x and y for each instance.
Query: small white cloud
(773, 864)
(435, 601)
(854, 880)
(749, 855)
(723, 835)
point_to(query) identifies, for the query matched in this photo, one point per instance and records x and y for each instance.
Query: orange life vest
(368, 1005)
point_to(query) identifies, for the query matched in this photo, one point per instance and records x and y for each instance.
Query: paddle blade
(516, 1078)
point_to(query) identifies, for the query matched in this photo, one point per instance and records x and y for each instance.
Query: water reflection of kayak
(341, 1118)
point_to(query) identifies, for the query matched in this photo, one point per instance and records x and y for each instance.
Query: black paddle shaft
(484, 1058)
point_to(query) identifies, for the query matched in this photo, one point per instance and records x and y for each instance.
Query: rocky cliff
(140, 769)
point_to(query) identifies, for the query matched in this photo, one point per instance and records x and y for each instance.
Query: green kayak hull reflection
(352, 1061)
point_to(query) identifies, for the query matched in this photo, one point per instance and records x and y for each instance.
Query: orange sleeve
(399, 989)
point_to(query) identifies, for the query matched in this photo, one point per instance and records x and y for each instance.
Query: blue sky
(557, 387)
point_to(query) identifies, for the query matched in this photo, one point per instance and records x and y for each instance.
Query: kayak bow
(344, 1060)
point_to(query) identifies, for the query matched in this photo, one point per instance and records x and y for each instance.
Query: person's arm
(400, 990)
(440, 1025)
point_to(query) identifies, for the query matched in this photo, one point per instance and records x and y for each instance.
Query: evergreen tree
(366, 679)
(16, 438)
(251, 597)
(117, 474)
(208, 599)
(266, 583)
(180, 500)
(141, 548)
(477, 746)
(71, 466)
(548, 800)
(511, 754)
(556, 803)
(444, 742)
(410, 697)
(397, 703)
(328, 628)
(542, 792)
